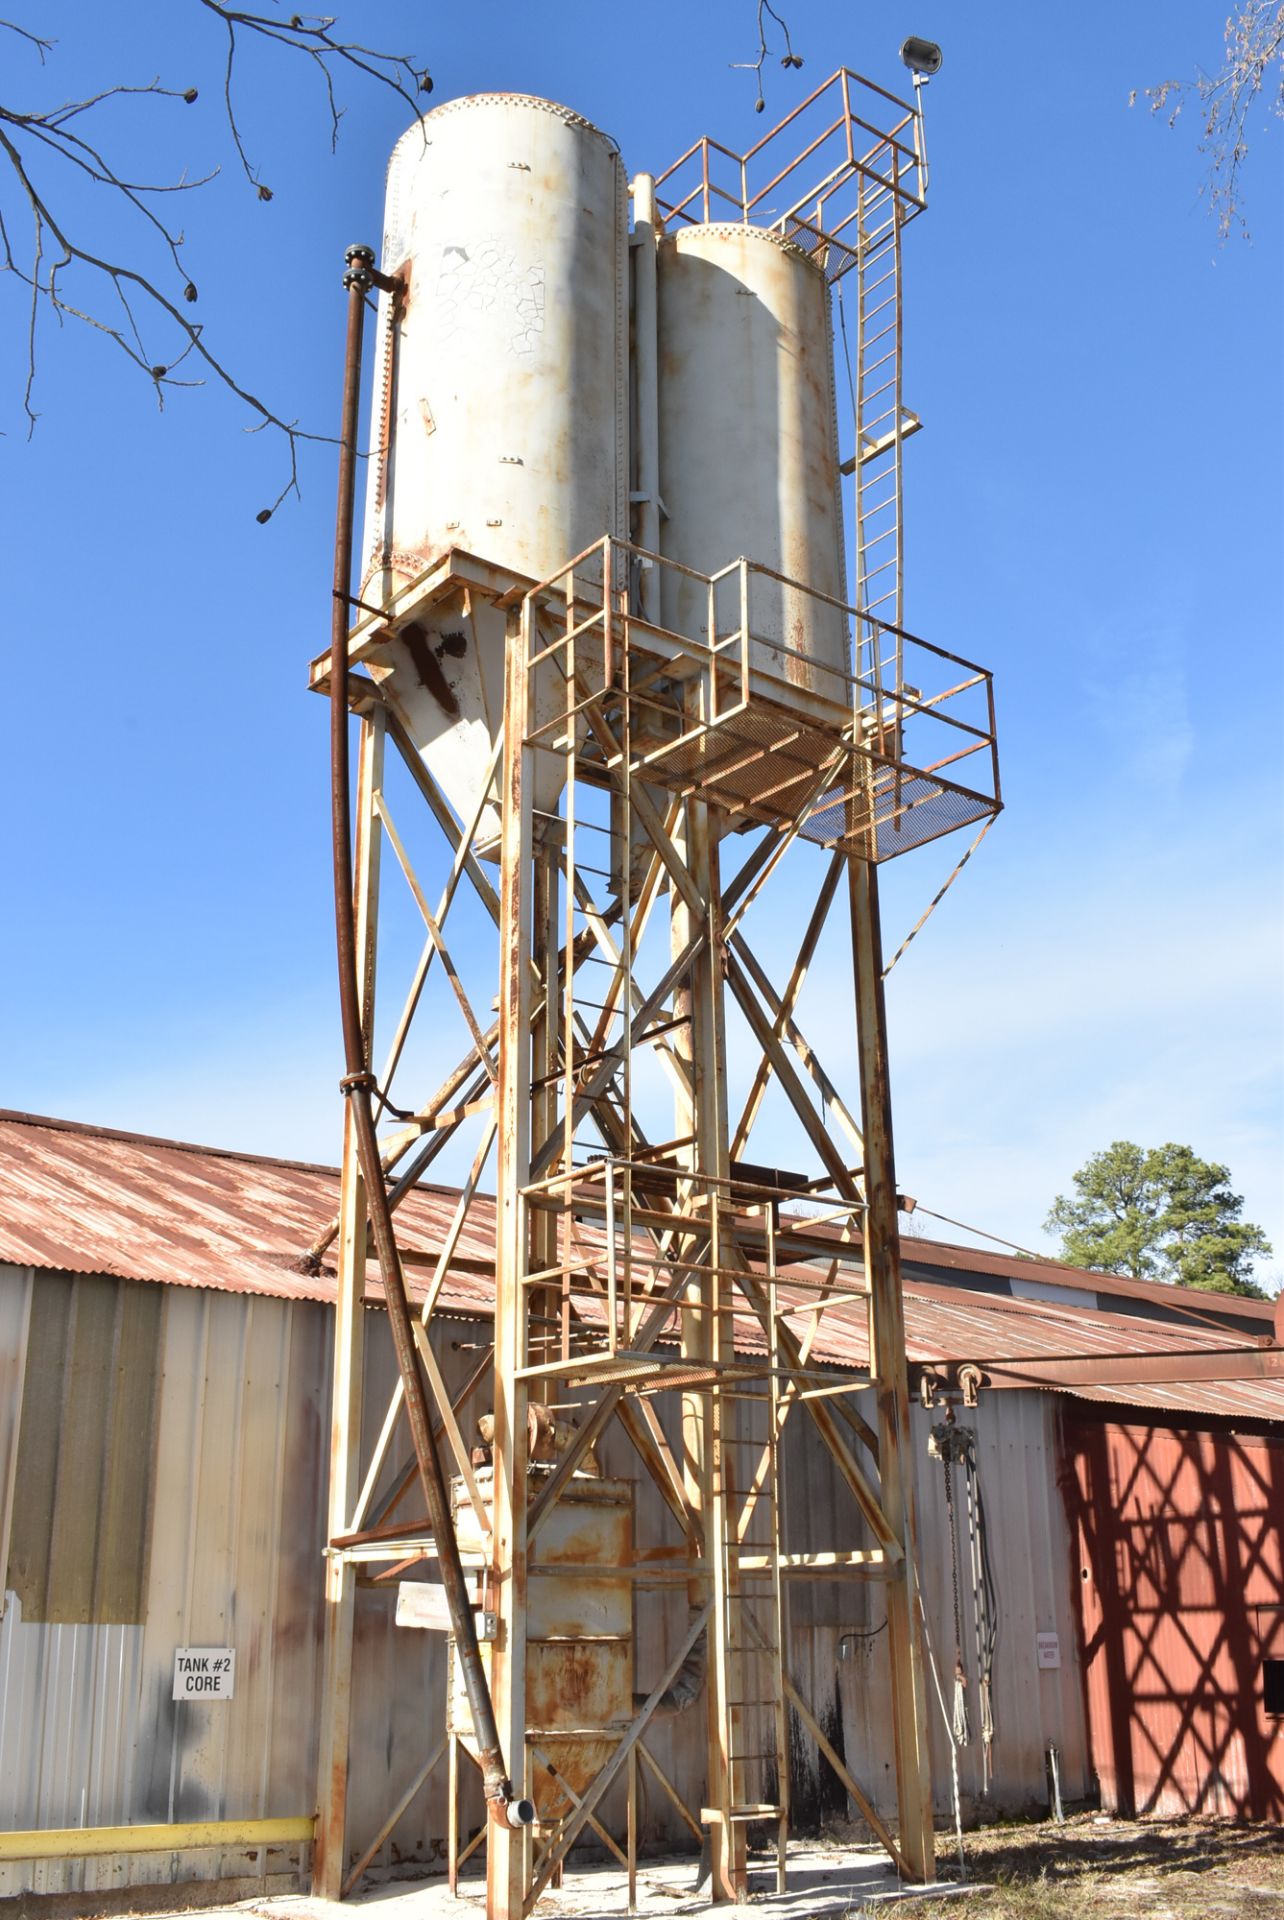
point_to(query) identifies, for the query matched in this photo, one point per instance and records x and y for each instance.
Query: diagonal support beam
(866, 1495)
(784, 1026)
(787, 1074)
(565, 1788)
(571, 1831)
(648, 816)
(403, 740)
(450, 1426)
(671, 1790)
(817, 1732)
(444, 904)
(436, 936)
(788, 1026)
(603, 1069)
(641, 1423)
(622, 979)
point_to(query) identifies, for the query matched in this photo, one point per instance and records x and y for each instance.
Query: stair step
(710, 1816)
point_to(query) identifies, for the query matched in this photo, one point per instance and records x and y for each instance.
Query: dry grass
(1094, 1869)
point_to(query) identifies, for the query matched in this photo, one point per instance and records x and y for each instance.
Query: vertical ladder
(882, 423)
(750, 1600)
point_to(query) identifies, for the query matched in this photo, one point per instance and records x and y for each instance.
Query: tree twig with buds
(139, 295)
(787, 59)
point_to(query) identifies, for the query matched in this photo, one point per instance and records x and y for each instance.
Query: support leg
(508, 1848)
(632, 1843)
(887, 1341)
(330, 1847)
(452, 1817)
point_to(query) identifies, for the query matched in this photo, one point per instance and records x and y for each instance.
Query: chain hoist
(955, 1446)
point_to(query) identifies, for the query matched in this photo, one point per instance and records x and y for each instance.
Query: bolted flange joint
(360, 261)
(358, 1083)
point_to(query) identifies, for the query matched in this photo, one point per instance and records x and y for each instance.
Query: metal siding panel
(17, 1718)
(119, 1574)
(256, 1516)
(17, 1286)
(88, 1732)
(202, 1725)
(177, 1445)
(38, 1442)
(1030, 1548)
(76, 1520)
(1018, 1471)
(289, 1759)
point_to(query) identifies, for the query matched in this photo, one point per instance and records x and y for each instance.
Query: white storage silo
(749, 440)
(501, 393)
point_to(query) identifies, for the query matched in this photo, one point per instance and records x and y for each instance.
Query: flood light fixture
(922, 57)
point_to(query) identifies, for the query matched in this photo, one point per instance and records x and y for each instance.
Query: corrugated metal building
(164, 1384)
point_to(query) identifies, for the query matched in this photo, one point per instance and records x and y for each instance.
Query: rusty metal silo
(500, 404)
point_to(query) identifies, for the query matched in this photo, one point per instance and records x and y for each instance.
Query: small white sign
(421, 1604)
(1047, 1647)
(204, 1673)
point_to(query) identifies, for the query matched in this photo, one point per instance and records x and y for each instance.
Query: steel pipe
(646, 377)
(358, 1082)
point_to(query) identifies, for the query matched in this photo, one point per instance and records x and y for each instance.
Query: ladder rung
(872, 313)
(885, 535)
(874, 393)
(711, 1816)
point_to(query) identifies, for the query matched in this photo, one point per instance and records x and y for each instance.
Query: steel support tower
(651, 793)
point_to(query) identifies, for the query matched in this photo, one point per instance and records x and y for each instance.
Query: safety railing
(825, 177)
(636, 1250)
(846, 735)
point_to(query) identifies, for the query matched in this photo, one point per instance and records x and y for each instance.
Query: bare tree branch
(43, 47)
(787, 59)
(46, 154)
(1254, 36)
(312, 35)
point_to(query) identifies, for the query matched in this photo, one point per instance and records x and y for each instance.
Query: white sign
(420, 1604)
(204, 1673)
(1047, 1647)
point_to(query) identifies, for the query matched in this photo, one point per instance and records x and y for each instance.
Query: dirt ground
(1092, 1868)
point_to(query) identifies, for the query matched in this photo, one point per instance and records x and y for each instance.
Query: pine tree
(1159, 1213)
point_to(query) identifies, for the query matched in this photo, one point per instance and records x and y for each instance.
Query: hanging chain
(983, 1611)
(948, 1443)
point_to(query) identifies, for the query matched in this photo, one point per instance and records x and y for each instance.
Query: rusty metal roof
(94, 1200)
(85, 1199)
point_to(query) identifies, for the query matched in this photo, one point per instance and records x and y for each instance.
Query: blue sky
(1094, 512)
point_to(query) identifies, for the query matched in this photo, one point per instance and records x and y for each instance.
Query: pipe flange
(358, 1083)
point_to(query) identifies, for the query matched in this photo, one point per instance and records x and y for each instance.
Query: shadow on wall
(1180, 1586)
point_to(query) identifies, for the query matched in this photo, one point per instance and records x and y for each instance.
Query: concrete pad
(823, 1881)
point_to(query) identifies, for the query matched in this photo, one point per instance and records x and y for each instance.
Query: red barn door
(1181, 1609)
